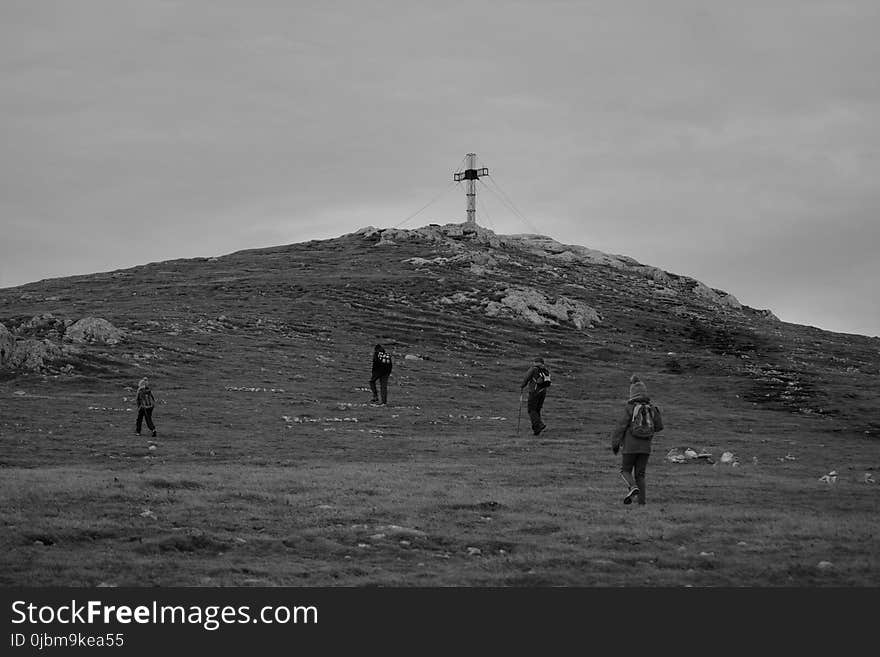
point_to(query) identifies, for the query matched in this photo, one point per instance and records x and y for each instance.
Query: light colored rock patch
(94, 330)
(532, 306)
(715, 296)
(470, 244)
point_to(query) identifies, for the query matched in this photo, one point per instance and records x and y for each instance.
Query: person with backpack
(537, 380)
(382, 366)
(632, 436)
(145, 403)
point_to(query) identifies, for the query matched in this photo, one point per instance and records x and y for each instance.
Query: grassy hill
(270, 467)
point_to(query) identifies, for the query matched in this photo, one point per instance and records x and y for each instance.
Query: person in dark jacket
(145, 403)
(635, 450)
(381, 371)
(535, 380)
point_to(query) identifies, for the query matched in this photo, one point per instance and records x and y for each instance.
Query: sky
(733, 142)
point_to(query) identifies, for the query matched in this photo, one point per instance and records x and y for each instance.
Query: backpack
(384, 358)
(147, 399)
(642, 425)
(541, 379)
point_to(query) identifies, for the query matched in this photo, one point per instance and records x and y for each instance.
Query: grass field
(271, 469)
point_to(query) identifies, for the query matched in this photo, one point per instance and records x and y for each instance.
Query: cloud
(713, 139)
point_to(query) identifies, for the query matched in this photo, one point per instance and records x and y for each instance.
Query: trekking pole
(519, 414)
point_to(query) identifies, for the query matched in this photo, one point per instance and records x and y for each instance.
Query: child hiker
(632, 436)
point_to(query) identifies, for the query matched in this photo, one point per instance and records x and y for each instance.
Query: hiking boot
(541, 429)
(633, 492)
(154, 433)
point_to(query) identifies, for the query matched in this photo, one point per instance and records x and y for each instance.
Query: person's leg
(641, 465)
(627, 464)
(148, 415)
(534, 413)
(539, 405)
(383, 384)
(373, 388)
(139, 421)
(627, 461)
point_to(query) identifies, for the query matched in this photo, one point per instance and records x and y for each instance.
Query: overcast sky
(735, 142)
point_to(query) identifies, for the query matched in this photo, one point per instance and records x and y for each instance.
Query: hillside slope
(270, 467)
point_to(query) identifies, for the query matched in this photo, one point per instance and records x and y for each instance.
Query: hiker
(538, 380)
(381, 371)
(145, 404)
(632, 435)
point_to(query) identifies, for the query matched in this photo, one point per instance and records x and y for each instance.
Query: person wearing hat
(145, 403)
(537, 380)
(640, 417)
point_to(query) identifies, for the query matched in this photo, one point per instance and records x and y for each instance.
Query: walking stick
(519, 414)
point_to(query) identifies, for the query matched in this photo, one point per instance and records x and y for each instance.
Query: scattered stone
(868, 478)
(148, 514)
(603, 562)
(474, 551)
(676, 455)
(728, 457)
(830, 478)
(397, 530)
(824, 565)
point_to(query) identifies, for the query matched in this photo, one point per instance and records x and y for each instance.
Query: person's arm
(528, 378)
(619, 431)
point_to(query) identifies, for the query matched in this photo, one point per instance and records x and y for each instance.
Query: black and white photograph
(412, 294)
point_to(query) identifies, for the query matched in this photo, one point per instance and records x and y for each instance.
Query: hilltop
(271, 467)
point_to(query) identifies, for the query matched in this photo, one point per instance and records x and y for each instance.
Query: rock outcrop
(94, 330)
(467, 242)
(7, 344)
(34, 354)
(530, 305)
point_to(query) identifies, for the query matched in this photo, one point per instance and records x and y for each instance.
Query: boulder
(7, 344)
(42, 322)
(33, 354)
(94, 330)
